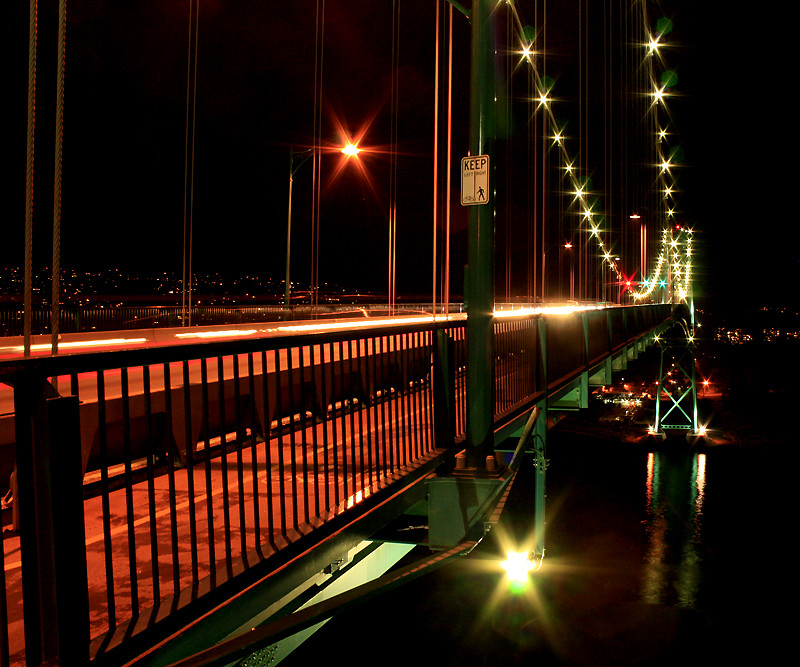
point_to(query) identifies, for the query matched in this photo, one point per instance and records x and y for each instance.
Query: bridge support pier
(676, 395)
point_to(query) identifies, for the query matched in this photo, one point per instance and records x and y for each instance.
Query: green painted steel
(479, 288)
(676, 395)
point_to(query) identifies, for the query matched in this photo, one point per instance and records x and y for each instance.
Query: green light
(517, 587)
(664, 25)
(669, 78)
(528, 34)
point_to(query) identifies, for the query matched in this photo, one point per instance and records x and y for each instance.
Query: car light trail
(99, 342)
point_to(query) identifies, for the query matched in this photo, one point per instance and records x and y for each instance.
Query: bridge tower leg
(676, 396)
(677, 384)
(479, 276)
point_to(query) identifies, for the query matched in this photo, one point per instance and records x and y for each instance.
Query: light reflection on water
(675, 488)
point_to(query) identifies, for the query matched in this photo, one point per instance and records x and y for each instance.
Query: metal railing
(147, 483)
(192, 464)
(77, 319)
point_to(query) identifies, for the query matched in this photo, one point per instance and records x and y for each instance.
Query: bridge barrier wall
(203, 463)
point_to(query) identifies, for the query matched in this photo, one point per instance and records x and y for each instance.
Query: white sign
(474, 180)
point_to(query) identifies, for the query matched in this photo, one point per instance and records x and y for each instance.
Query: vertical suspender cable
(507, 241)
(529, 145)
(188, 165)
(582, 156)
(395, 66)
(591, 269)
(545, 153)
(446, 290)
(56, 275)
(627, 75)
(435, 159)
(191, 179)
(27, 297)
(607, 164)
(537, 194)
(532, 268)
(186, 168)
(316, 178)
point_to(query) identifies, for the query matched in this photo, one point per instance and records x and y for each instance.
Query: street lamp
(642, 244)
(307, 153)
(351, 150)
(568, 246)
(348, 150)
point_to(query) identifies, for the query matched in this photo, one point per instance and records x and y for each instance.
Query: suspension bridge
(196, 501)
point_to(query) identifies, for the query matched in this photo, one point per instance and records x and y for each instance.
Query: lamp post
(349, 150)
(292, 169)
(642, 244)
(568, 246)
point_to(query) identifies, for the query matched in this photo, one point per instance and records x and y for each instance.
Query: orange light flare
(351, 151)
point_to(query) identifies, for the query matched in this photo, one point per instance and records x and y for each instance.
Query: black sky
(125, 137)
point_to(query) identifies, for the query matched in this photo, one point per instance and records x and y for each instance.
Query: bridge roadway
(269, 442)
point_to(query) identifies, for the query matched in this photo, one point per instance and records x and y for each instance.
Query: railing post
(540, 448)
(52, 533)
(443, 390)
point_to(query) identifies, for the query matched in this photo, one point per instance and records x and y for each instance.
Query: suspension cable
(55, 294)
(316, 176)
(446, 290)
(435, 157)
(28, 259)
(395, 106)
(189, 159)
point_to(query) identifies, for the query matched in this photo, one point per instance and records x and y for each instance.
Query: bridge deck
(197, 468)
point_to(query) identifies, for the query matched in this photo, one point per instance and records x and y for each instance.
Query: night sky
(125, 129)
